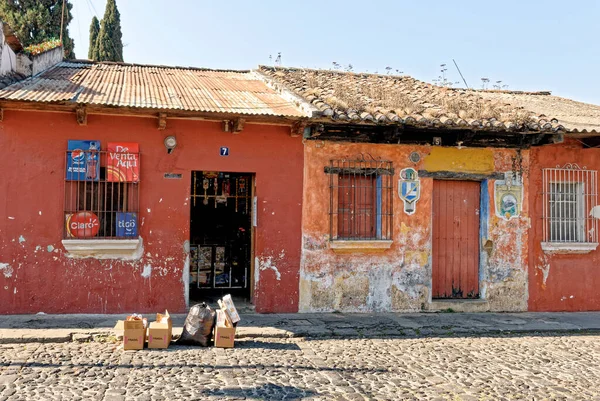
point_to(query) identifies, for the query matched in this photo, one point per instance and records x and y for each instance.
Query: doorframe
(253, 227)
(484, 212)
(188, 242)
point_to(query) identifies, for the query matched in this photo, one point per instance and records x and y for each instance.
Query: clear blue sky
(527, 44)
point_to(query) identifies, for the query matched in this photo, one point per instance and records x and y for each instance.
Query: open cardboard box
(227, 304)
(160, 332)
(134, 333)
(224, 331)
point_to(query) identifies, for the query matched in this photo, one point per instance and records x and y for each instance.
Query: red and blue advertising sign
(82, 225)
(127, 225)
(83, 161)
(123, 162)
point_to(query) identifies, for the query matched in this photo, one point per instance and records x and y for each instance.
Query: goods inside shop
(220, 234)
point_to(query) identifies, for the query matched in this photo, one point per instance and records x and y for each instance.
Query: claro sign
(82, 225)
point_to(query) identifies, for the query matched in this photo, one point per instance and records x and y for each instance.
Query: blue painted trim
(484, 216)
(378, 207)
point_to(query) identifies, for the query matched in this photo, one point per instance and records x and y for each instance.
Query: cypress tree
(94, 29)
(109, 42)
(37, 21)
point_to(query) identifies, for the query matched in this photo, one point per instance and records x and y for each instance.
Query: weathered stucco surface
(8, 58)
(35, 272)
(399, 279)
(560, 282)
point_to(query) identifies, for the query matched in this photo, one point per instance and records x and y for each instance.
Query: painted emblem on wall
(508, 196)
(409, 189)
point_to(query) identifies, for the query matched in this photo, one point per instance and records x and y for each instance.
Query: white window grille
(570, 192)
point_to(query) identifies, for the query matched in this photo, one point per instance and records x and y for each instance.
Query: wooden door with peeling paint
(455, 254)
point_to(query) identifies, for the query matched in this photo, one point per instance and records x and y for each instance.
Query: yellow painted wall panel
(460, 160)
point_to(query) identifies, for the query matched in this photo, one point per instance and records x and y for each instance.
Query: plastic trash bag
(198, 326)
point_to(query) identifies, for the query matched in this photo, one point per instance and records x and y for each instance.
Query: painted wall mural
(409, 189)
(508, 196)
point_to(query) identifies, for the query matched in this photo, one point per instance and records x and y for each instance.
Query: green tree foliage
(37, 21)
(94, 30)
(109, 42)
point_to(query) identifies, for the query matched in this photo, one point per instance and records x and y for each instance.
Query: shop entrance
(220, 235)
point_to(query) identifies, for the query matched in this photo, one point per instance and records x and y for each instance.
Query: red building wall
(35, 273)
(560, 282)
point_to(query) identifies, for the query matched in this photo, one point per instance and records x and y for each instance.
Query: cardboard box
(224, 336)
(160, 332)
(134, 334)
(227, 304)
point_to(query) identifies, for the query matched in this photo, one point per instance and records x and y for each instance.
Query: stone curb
(25, 336)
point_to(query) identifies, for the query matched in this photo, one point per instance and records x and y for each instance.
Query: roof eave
(311, 111)
(69, 106)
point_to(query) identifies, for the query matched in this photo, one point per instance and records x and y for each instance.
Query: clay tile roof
(153, 87)
(552, 110)
(388, 99)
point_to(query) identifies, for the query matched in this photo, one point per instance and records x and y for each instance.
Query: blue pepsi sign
(126, 225)
(83, 161)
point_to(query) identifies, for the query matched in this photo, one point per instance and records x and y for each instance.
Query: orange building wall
(35, 273)
(399, 279)
(560, 282)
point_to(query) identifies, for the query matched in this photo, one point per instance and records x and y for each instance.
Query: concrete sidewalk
(66, 328)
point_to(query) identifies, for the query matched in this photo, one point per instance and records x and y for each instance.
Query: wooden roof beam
(297, 128)
(81, 114)
(238, 125)
(162, 121)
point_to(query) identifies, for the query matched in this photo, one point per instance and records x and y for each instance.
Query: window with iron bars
(361, 199)
(103, 203)
(569, 194)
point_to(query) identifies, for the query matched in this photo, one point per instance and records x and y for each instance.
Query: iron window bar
(569, 194)
(104, 197)
(361, 198)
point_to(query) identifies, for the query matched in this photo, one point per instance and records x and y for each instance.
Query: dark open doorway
(220, 236)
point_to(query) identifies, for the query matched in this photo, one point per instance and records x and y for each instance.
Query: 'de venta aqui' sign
(123, 162)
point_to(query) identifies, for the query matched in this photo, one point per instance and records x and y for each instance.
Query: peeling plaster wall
(399, 279)
(8, 58)
(30, 65)
(36, 274)
(560, 282)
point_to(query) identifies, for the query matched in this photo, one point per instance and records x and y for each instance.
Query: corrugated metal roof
(154, 87)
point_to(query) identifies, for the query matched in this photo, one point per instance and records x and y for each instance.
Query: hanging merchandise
(243, 191)
(226, 189)
(205, 186)
(194, 188)
(216, 188)
(236, 195)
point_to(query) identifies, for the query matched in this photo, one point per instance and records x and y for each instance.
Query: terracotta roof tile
(154, 87)
(387, 99)
(552, 111)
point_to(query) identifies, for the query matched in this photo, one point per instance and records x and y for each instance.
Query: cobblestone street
(453, 368)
